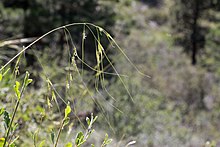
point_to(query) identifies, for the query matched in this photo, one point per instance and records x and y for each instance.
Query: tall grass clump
(59, 99)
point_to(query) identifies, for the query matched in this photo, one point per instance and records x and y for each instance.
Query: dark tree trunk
(194, 36)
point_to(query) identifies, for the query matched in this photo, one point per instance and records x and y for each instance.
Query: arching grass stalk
(19, 94)
(101, 54)
(41, 37)
(110, 38)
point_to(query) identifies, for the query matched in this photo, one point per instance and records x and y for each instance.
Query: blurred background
(175, 42)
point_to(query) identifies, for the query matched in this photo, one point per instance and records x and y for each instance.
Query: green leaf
(79, 139)
(52, 136)
(66, 121)
(1, 76)
(105, 140)
(69, 144)
(2, 140)
(42, 143)
(29, 81)
(6, 119)
(95, 119)
(67, 111)
(88, 121)
(53, 96)
(16, 89)
(2, 111)
(26, 79)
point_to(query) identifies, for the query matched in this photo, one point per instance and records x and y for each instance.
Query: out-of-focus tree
(210, 56)
(40, 16)
(187, 24)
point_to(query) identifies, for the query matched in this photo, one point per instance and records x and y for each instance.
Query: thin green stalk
(13, 116)
(59, 132)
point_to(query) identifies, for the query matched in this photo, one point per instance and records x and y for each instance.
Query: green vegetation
(109, 73)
